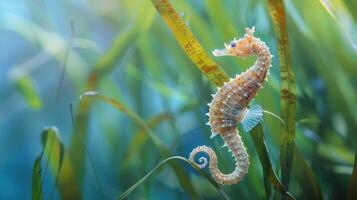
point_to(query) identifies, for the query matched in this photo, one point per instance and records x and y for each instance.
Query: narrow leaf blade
(37, 193)
(352, 192)
(27, 87)
(258, 139)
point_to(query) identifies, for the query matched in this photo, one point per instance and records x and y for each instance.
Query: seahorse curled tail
(235, 145)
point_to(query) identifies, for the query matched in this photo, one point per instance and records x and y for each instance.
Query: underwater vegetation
(107, 99)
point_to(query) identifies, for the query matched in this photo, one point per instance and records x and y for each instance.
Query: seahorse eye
(233, 44)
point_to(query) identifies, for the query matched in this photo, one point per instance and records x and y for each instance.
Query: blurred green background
(52, 51)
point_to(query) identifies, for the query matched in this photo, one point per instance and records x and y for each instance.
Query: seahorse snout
(220, 52)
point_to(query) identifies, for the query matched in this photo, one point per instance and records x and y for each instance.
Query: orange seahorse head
(241, 47)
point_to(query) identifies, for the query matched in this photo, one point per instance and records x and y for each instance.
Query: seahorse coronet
(229, 106)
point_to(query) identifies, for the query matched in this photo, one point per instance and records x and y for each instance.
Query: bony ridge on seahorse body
(229, 107)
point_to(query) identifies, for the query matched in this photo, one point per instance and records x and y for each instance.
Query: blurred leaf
(214, 7)
(140, 137)
(267, 186)
(59, 164)
(25, 69)
(91, 160)
(170, 92)
(258, 139)
(37, 193)
(27, 87)
(352, 192)
(125, 39)
(288, 91)
(306, 177)
(340, 13)
(164, 151)
(49, 41)
(340, 155)
(169, 160)
(53, 149)
(189, 43)
(308, 121)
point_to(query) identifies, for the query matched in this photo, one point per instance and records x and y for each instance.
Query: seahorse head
(241, 47)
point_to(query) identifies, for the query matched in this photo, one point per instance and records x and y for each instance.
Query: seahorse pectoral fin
(253, 116)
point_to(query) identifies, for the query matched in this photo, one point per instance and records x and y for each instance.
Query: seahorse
(229, 107)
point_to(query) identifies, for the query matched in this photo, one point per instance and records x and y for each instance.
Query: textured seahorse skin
(229, 105)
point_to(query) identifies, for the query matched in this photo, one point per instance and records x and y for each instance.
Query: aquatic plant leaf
(163, 150)
(258, 139)
(27, 88)
(60, 165)
(170, 161)
(91, 160)
(288, 91)
(140, 137)
(37, 193)
(339, 12)
(308, 121)
(226, 28)
(53, 152)
(123, 40)
(267, 186)
(352, 192)
(189, 43)
(306, 177)
(49, 41)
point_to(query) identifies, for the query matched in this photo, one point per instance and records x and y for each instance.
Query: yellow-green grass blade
(189, 43)
(53, 153)
(288, 90)
(27, 88)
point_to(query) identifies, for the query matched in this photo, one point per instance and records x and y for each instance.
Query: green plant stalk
(288, 91)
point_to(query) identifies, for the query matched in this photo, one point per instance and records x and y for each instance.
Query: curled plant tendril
(229, 107)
